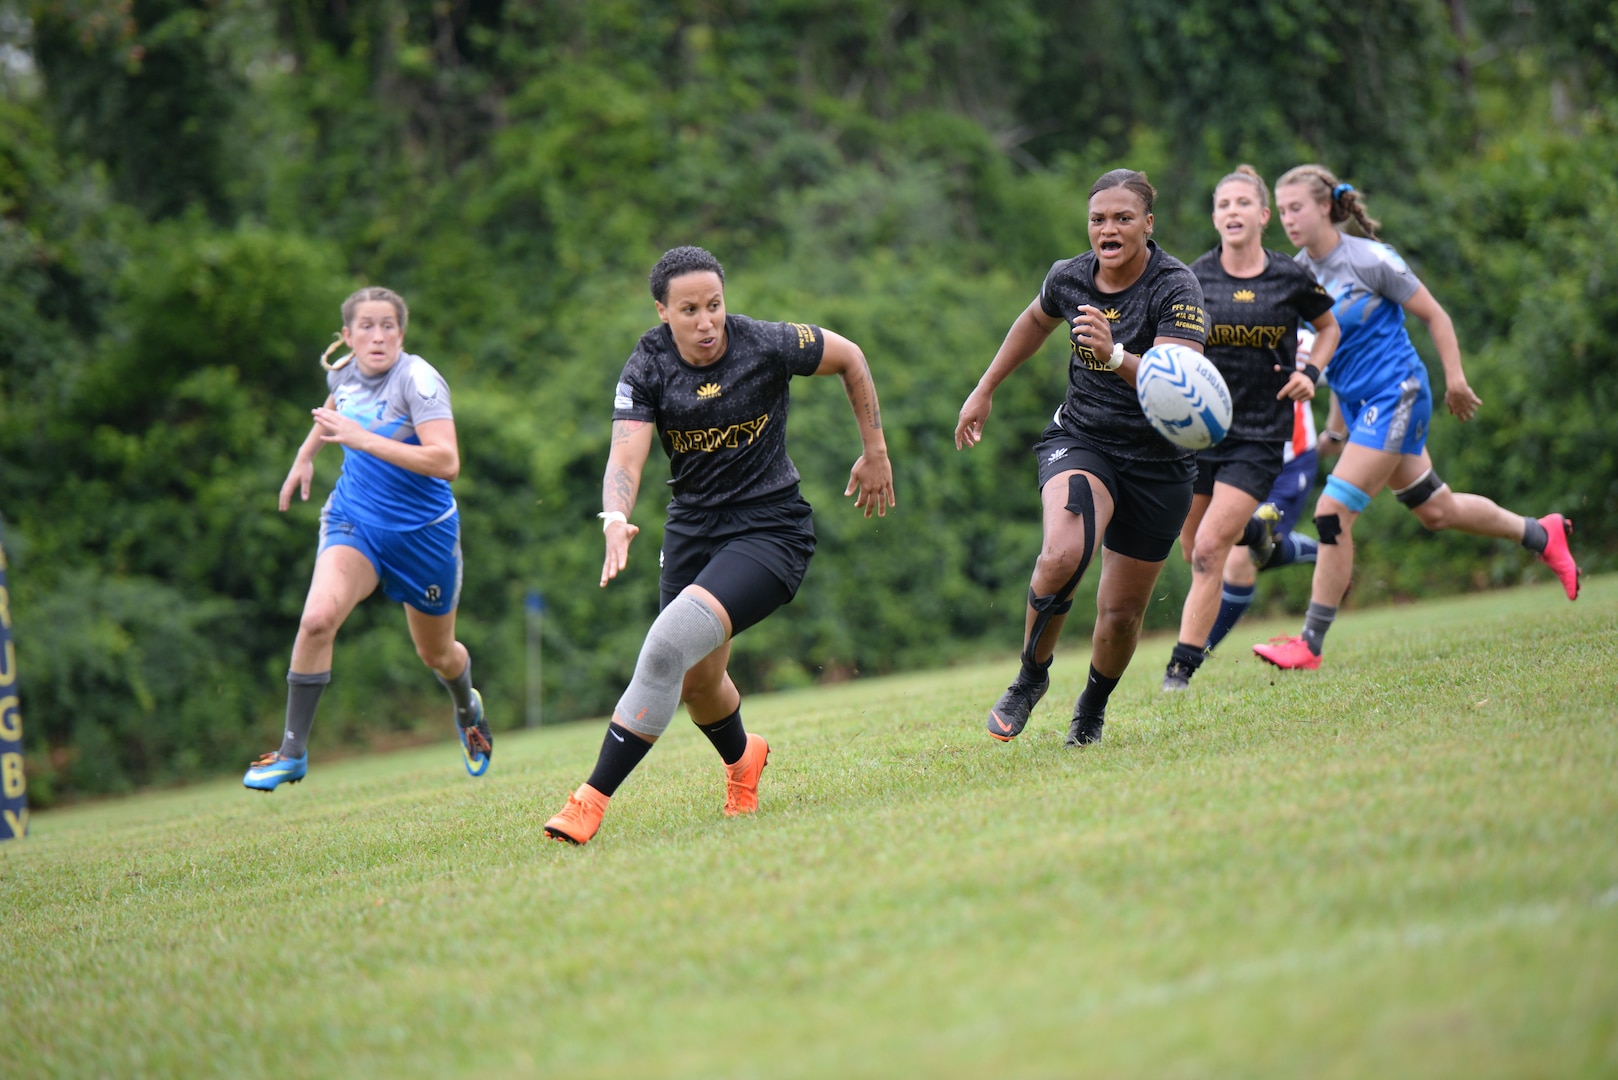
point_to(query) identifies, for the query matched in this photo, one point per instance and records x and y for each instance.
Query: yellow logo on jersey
(1112, 314)
(708, 390)
(1243, 296)
(806, 334)
(707, 440)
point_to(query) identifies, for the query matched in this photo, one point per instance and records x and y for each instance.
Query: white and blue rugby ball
(1183, 396)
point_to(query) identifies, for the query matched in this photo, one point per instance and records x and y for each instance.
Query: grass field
(1404, 864)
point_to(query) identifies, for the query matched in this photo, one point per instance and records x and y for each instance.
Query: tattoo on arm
(861, 391)
(623, 429)
(618, 493)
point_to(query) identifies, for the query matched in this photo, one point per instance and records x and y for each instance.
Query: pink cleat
(1290, 653)
(1556, 554)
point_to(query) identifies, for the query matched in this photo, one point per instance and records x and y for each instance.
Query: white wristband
(609, 516)
(1116, 361)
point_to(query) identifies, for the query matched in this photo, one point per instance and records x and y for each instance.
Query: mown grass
(1405, 864)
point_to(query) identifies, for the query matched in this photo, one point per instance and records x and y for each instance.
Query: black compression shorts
(1150, 498)
(751, 556)
(1248, 465)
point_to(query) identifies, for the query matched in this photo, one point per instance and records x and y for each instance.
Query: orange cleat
(741, 779)
(580, 818)
(1291, 653)
(1556, 555)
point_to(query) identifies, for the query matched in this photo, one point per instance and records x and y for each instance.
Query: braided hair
(1346, 203)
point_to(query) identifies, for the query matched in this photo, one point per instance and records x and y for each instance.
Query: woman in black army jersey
(1255, 300)
(1103, 472)
(738, 536)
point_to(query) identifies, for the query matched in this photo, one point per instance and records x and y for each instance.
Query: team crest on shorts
(1056, 455)
(433, 593)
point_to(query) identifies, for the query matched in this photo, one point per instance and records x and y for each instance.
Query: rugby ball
(1183, 396)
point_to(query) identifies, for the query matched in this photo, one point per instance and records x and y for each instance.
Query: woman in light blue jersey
(390, 521)
(1381, 385)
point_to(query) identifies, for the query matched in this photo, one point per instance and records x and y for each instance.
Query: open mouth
(1111, 247)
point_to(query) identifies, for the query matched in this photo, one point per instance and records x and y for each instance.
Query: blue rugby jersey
(371, 491)
(1368, 282)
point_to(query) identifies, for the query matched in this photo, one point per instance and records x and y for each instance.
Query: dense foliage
(189, 188)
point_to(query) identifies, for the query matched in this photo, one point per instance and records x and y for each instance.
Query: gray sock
(1534, 536)
(1316, 621)
(460, 691)
(303, 694)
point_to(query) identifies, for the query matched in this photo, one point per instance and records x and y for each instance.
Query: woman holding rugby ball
(1255, 300)
(1105, 476)
(1381, 384)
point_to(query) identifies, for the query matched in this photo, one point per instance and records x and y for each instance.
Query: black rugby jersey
(1252, 327)
(723, 425)
(1165, 301)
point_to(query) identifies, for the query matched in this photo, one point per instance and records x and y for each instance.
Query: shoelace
(476, 742)
(268, 759)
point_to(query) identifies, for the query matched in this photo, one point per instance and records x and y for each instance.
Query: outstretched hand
(618, 536)
(299, 477)
(974, 414)
(872, 479)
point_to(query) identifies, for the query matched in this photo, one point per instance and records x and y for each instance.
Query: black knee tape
(1329, 526)
(1422, 490)
(1081, 503)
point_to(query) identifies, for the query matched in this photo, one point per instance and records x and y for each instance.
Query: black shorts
(1245, 464)
(751, 556)
(1150, 498)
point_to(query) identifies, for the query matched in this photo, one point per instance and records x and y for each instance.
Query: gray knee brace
(683, 634)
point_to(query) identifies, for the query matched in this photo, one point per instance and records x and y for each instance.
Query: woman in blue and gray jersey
(1106, 478)
(1381, 385)
(390, 521)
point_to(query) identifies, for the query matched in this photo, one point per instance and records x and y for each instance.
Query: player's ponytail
(1346, 204)
(341, 361)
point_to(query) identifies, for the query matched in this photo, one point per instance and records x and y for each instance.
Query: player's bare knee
(319, 622)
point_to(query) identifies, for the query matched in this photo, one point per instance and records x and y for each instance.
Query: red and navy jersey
(1252, 330)
(1165, 301)
(724, 424)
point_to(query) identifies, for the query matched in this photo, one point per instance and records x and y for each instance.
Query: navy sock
(728, 736)
(1189, 655)
(1234, 600)
(1097, 689)
(621, 751)
(1293, 548)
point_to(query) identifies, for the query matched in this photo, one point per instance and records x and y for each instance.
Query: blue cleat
(477, 744)
(272, 770)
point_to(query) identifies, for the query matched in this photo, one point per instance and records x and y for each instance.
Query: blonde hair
(1346, 203)
(1247, 174)
(361, 296)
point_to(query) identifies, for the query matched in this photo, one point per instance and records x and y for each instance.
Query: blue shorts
(419, 567)
(1290, 492)
(1394, 419)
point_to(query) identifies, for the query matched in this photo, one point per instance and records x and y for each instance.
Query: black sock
(728, 736)
(1035, 672)
(1189, 655)
(1534, 536)
(1099, 687)
(1316, 621)
(1252, 534)
(621, 751)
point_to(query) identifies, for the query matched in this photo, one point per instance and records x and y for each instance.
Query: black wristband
(1311, 371)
